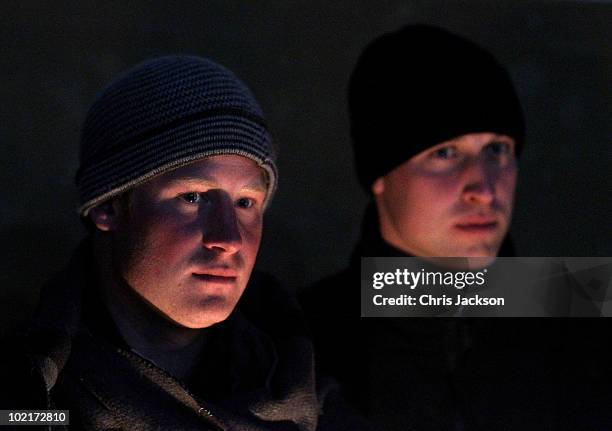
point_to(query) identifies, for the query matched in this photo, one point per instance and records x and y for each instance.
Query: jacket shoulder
(270, 306)
(23, 386)
(330, 296)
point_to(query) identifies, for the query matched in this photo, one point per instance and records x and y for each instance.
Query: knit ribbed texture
(163, 114)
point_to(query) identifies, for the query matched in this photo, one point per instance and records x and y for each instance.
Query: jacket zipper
(203, 409)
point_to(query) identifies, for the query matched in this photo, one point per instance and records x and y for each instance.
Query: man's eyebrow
(258, 185)
(199, 181)
(502, 138)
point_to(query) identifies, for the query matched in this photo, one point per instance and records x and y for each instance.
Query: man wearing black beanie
(437, 130)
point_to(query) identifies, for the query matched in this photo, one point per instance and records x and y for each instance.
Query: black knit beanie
(166, 113)
(420, 86)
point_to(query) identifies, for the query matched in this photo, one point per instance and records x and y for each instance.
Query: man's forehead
(216, 171)
(476, 138)
(469, 140)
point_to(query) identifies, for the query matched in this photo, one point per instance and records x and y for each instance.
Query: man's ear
(378, 186)
(105, 216)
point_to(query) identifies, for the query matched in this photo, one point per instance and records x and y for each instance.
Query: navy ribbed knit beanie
(166, 113)
(420, 86)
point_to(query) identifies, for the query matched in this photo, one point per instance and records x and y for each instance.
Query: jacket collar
(266, 371)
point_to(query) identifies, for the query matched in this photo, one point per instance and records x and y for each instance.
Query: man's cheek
(251, 231)
(160, 248)
(507, 190)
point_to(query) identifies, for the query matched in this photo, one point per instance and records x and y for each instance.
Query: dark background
(297, 56)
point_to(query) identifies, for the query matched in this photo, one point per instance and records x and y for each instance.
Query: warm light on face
(452, 200)
(191, 238)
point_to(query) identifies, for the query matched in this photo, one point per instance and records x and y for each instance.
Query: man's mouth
(217, 275)
(477, 223)
(477, 226)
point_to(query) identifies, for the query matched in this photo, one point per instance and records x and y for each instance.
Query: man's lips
(477, 224)
(216, 275)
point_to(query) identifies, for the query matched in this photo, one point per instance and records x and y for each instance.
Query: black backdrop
(297, 56)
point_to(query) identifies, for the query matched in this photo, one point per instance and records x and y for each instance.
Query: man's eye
(444, 153)
(191, 197)
(498, 148)
(245, 203)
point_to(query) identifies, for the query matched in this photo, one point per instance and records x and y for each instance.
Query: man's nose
(221, 232)
(479, 182)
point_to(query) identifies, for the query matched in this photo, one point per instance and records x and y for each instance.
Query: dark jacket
(256, 372)
(458, 373)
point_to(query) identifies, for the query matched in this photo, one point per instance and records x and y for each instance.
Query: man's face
(454, 199)
(189, 241)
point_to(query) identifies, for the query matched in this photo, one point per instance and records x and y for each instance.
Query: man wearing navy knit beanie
(150, 326)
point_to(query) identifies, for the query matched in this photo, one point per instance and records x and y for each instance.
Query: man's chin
(482, 252)
(207, 314)
(462, 262)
